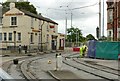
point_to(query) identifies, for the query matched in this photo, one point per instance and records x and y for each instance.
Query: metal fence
(37, 48)
(72, 44)
(30, 49)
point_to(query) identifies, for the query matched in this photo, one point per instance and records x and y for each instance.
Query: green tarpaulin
(107, 50)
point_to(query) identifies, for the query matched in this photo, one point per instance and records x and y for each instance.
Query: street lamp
(66, 20)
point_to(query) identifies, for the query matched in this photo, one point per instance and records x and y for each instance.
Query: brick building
(113, 20)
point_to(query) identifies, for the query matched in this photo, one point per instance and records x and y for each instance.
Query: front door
(54, 44)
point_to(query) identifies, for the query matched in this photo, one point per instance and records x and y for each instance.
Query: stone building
(22, 27)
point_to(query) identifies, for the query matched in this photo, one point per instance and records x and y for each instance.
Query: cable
(84, 6)
(75, 8)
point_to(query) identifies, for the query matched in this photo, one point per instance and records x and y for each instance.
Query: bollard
(59, 62)
(15, 61)
(56, 62)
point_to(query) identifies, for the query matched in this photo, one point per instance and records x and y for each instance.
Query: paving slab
(63, 74)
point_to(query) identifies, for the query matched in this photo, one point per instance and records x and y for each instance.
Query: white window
(5, 36)
(31, 38)
(110, 16)
(31, 22)
(13, 21)
(0, 36)
(47, 37)
(48, 27)
(19, 36)
(10, 36)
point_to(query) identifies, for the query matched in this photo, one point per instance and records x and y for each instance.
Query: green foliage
(74, 34)
(103, 38)
(90, 37)
(22, 5)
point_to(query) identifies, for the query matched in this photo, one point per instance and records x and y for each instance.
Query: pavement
(109, 63)
(63, 74)
(69, 74)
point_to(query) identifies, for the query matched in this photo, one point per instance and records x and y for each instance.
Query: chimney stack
(12, 5)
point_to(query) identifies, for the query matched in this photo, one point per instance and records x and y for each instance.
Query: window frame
(19, 36)
(11, 21)
(5, 36)
(31, 38)
(10, 39)
(1, 37)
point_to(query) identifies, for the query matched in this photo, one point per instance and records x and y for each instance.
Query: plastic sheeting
(92, 49)
(103, 50)
(107, 50)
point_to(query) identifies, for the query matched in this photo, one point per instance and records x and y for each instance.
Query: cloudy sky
(85, 18)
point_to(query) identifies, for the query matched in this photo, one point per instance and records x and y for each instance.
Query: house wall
(27, 25)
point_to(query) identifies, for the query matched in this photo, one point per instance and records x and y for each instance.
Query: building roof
(33, 15)
(38, 16)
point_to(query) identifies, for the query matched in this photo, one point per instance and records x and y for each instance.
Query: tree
(103, 38)
(74, 34)
(90, 37)
(22, 5)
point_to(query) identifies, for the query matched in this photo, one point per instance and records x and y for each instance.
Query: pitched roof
(34, 15)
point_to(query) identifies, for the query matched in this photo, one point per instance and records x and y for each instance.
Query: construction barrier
(76, 49)
(104, 50)
(91, 49)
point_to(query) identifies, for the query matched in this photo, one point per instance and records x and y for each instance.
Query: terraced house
(22, 27)
(113, 20)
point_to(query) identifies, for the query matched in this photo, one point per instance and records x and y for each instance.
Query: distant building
(22, 27)
(113, 20)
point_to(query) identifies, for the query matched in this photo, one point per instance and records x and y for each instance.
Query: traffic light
(97, 32)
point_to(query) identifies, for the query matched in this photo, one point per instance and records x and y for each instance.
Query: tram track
(83, 67)
(23, 66)
(99, 67)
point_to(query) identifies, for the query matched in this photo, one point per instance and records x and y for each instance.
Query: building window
(110, 33)
(47, 38)
(0, 36)
(19, 36)
(48, 27)
(31, 22)
(13, 21)
(31, 38)
(5, 36)
(60, 43)
(10, 36)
